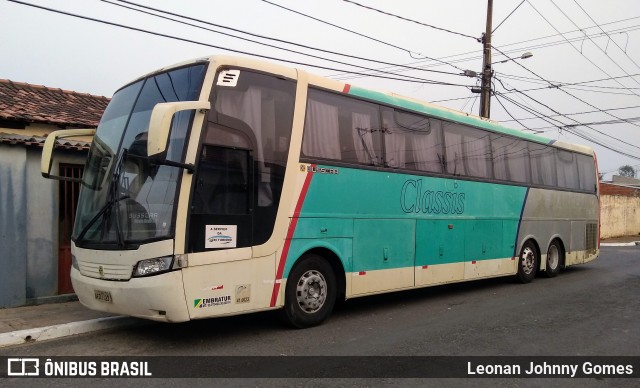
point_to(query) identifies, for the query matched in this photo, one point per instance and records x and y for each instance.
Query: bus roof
(388, 98)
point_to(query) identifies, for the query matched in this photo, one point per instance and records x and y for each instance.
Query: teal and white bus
(228, 185)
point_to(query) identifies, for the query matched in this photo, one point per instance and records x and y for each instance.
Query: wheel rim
(311, 291)
(527, 260)
(553, 257)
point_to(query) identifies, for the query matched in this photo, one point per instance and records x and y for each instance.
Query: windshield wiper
(107, 206)
(114, 189)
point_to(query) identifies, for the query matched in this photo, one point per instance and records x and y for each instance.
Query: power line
(508, 16)
(570, 94)
(476, 57)
(614, 42)
(422, 81)
(509, 51)
(263, 37)
(572, 46)
(411, 20)
(572, 114)
(574, 120)
(560, 83)
(605, 53)
(578, 134)
(359, 34)
(509, 113)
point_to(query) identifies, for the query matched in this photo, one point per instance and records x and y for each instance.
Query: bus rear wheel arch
(528, 262)
(310, 292)
(555, 258)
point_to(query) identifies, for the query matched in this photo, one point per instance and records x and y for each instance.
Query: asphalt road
(588, 310)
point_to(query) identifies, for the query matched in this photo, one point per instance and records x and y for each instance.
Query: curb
(63, 330)
(627, 244)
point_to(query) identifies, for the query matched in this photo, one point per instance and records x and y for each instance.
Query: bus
(228, 185)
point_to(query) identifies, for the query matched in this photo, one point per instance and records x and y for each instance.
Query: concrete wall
(42, 230)
(13, 226)
(29, 207)
(620, 210)
(620, 216)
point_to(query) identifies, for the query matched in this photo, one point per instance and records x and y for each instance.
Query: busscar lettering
(143, 217)
(415, 198)
(322, 170)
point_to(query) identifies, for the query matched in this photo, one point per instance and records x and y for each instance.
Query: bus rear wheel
(310, 293)
(554, 256)
(527, 262)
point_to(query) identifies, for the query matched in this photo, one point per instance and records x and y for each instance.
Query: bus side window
(510, 159)
(341, 128)
(395, 142)
(567, 168)
(543, 165)
(321, 134)
(587, 173)
(424, 143)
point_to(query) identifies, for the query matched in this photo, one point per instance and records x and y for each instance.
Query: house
(36, 214)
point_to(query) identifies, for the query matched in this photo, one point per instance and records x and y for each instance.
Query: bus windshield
(125, 199)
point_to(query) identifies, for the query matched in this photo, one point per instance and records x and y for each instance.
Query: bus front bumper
(159, 298)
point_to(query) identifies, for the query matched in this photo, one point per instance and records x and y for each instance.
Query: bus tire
(527, 262)
(310, 293)
(554, 259)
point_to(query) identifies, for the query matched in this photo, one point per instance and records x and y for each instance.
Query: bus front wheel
(527, 262)
(310, 293)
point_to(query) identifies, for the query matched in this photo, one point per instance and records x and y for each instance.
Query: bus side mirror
(160, 123)
(49, 145)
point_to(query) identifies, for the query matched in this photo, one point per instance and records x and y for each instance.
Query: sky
(586, 53)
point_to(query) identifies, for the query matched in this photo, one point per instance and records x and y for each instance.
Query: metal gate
(67, 215)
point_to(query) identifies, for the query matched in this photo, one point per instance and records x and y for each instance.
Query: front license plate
(104, 296)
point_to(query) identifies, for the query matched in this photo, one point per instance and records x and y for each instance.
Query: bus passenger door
(383, 255)
(222, 203)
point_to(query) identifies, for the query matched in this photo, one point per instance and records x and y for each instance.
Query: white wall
(620, 216)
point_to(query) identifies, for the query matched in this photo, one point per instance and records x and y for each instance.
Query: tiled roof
(37, 141)
(40, 104)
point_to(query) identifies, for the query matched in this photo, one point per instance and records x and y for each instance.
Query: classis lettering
(414, 200)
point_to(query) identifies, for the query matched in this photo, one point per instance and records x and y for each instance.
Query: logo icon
(23, 367)
(101, 271)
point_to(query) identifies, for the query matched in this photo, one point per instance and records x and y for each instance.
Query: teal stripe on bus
(381, 220)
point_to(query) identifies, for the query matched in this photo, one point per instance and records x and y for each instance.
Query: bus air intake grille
(106, 271)
(591, 237)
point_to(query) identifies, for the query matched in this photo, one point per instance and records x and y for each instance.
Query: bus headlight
(152, 266)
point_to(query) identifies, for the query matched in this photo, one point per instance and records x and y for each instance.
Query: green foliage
(627, 171)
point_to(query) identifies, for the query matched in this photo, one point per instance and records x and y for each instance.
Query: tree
(627, 171)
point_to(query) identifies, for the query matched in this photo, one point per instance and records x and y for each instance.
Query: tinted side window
(510, 159)
(587, 172)
(567, 168)
(341, 128)
(413, 141)
(543, 165)
(468, 151)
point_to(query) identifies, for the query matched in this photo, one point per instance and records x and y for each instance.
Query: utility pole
(487, 73)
